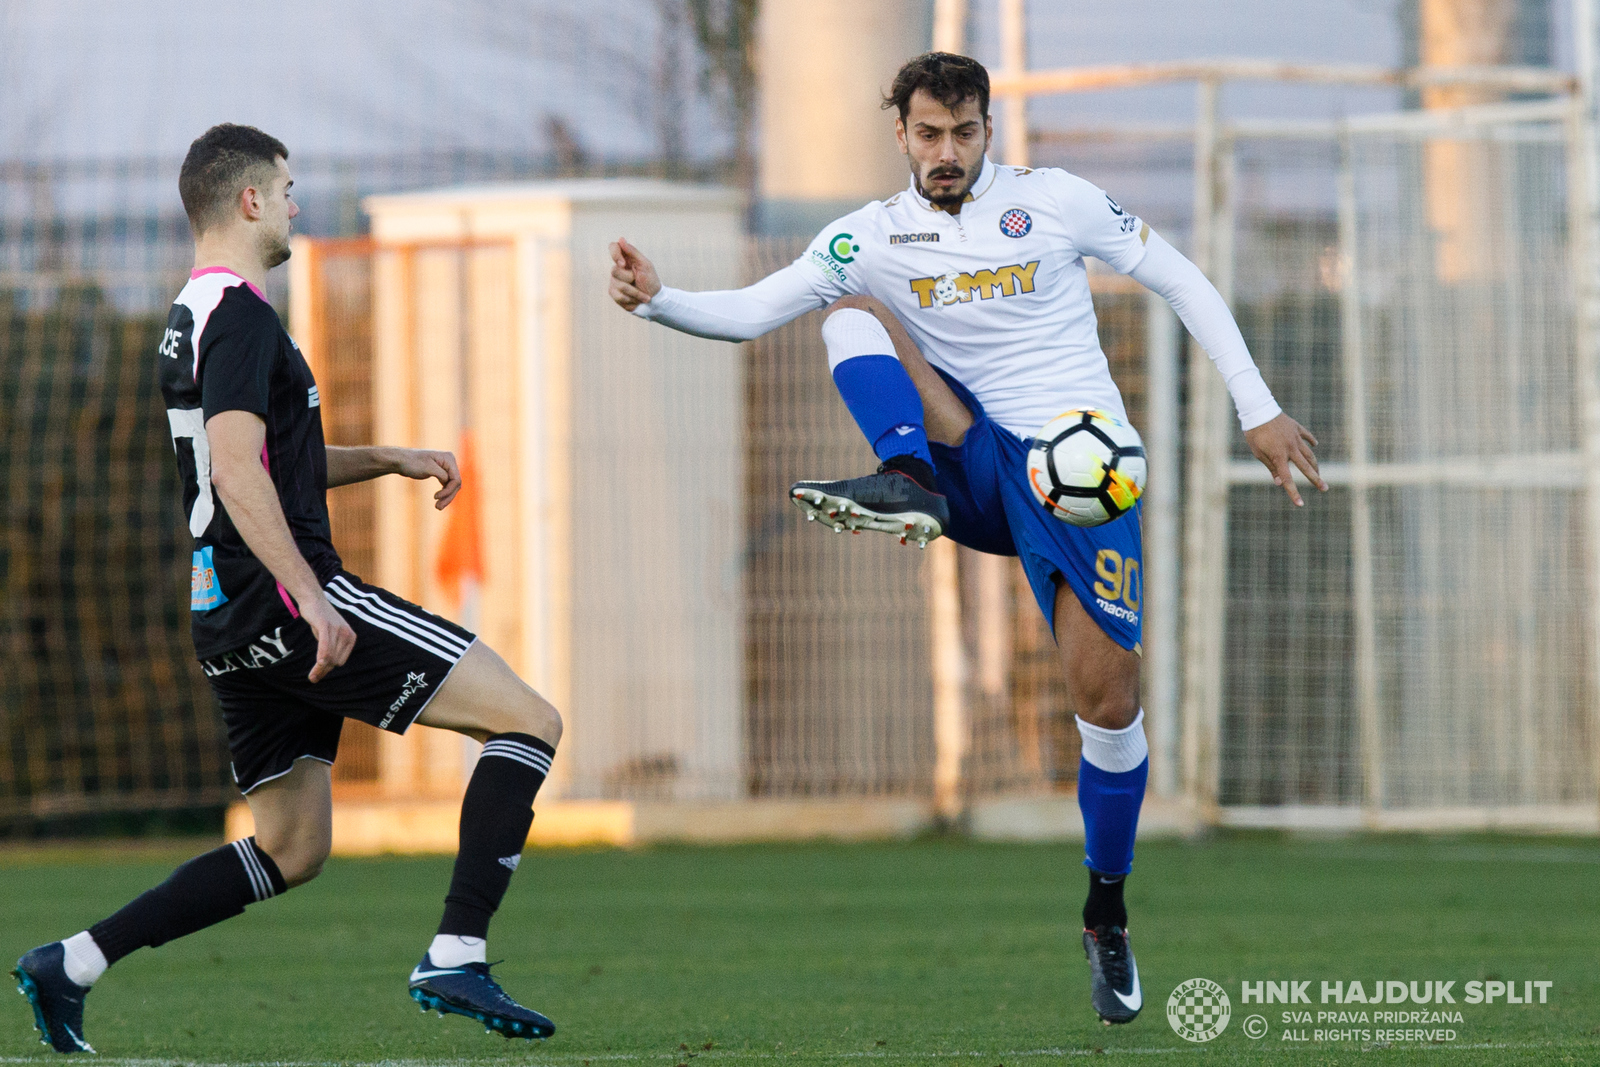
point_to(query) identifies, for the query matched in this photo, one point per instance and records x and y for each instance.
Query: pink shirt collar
(224, 270)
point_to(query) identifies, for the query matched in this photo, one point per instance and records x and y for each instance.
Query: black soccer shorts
(275, 716)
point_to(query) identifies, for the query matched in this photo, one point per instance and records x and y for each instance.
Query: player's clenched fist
(633, 277)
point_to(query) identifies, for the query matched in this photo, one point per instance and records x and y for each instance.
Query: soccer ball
(1087, 467)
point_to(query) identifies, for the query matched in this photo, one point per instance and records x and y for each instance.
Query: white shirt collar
(986, 177)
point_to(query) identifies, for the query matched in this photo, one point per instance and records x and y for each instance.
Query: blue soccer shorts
(992, 509)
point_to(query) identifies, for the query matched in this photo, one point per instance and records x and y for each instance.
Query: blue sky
(87, 78)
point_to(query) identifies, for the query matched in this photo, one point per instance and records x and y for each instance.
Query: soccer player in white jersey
(978, 270)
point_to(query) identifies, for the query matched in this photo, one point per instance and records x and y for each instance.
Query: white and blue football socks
(1111, 783)
(874, 386)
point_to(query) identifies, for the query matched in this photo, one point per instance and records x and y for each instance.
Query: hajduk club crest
(1016, 223)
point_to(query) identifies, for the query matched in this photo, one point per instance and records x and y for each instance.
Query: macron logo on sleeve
(313, 398)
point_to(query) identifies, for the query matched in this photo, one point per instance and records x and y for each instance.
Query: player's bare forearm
(246, 490)
(348, 465)
(1280, 443)
(361, 463)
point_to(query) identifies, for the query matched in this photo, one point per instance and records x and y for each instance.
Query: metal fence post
(1014, 62)
(1205, 528)
(1159, 514)
(1355, 400)
(1583, 185)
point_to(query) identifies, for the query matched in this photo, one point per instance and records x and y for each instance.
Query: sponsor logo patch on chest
(959, 287)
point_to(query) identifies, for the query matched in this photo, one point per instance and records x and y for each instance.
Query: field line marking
(804, 1055)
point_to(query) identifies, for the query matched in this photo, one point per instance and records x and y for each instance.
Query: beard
(274, 250)
(956, 195)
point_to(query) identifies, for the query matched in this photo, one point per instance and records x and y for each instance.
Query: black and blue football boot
(1113, 975)
(471, 991)
(57, 1000)
(901, 499)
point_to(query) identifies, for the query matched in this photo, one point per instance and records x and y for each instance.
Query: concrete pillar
(822, 66)
(1459, 175)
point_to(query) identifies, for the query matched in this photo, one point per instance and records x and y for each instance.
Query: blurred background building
(1413, 287)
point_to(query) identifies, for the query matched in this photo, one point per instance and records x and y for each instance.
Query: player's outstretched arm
(347, 466)
(1276, 439)
(721, 315)
(245, 489)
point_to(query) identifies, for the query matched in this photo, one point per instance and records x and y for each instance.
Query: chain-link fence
(1413, 648)
(102, 705)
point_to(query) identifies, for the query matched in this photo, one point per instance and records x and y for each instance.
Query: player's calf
(484, 698)
(202, 892)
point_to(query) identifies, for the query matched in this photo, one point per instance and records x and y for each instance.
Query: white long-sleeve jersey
(996, 296)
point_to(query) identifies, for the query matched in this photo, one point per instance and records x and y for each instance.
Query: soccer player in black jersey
(291, 643)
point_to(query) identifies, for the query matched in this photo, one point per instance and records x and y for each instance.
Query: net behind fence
(1482, 675)
(1417, 640)
(102, 705)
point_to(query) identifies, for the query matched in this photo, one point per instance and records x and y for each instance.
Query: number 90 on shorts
(1119, 579)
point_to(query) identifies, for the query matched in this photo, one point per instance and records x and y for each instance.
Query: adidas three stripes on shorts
(275, 716)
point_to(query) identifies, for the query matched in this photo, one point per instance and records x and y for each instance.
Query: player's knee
(532, 714)
(302, 871)
(1111, 710)
(298, 851)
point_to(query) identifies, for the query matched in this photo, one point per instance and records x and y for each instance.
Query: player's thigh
(1089, 584)
(293, 814)
(1102, 676)
(484, 696)
(281, 748)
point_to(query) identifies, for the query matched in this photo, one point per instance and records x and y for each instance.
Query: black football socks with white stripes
(208, 889)
(495, 816)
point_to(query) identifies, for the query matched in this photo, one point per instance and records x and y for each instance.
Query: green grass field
(936, 951)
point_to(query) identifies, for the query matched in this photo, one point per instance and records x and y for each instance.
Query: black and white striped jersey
(225, 350)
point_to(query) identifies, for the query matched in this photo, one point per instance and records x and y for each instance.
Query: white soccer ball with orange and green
(1087, 467)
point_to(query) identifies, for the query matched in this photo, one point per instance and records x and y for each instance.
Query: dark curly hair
(220, 163)
(948, 78)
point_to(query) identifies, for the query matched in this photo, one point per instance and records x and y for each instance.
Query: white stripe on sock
(542, 767)
(253, 872)
(521, 750)
(516, 746)
(267, 888)
(1116, 751)
(381, 606)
